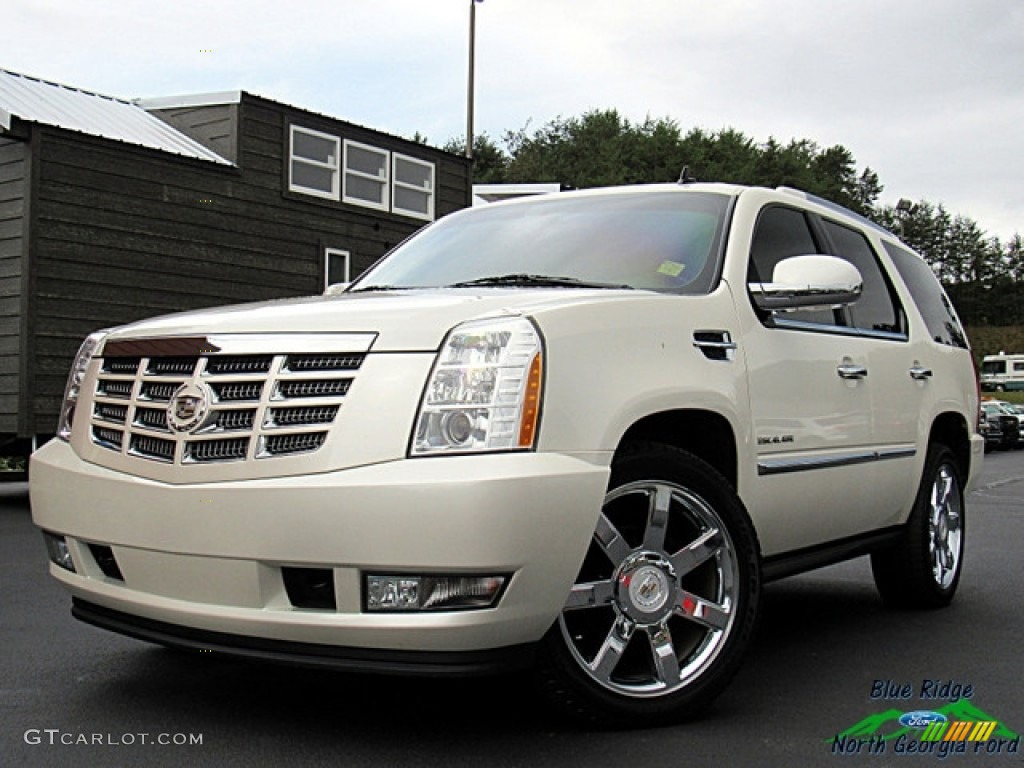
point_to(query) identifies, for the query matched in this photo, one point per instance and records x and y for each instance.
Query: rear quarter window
(939, 316)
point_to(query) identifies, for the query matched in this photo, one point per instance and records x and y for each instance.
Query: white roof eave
(45, 103)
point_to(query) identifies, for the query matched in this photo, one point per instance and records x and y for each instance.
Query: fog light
(432, 593)
(57, 549)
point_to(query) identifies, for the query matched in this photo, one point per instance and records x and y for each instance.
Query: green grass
(1010, 397)
(993, 339)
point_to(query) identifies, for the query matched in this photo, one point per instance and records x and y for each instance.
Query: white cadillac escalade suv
(578, 432)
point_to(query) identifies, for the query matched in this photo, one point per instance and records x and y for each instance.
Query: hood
(404, 321)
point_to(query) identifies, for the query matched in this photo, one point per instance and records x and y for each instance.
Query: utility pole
(470, 88)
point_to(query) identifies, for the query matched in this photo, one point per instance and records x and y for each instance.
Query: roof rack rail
(826, 203)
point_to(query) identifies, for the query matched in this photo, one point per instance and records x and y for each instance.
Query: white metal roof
(39, 101)
(190, 100)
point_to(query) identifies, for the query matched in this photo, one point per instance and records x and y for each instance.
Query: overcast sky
(928, 93)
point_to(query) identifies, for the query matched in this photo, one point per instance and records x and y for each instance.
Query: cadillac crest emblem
(189, 406)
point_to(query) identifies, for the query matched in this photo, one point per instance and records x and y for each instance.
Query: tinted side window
(877, 309)
(782, 233)
(939, 316)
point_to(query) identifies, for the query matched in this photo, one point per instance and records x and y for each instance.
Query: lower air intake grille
(104, 557)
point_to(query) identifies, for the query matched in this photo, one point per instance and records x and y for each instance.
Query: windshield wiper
(551, 281)
(370, 288)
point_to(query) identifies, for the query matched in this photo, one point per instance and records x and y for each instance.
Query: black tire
(666, 600)
(923, 569)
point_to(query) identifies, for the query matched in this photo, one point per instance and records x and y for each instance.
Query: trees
(604, 148)
(984, 277)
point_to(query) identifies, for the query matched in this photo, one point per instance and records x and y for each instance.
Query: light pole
(469, 89)
(904, 208)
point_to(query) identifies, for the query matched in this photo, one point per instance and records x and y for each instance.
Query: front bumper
(208, 558)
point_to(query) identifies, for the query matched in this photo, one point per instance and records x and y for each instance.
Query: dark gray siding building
(112, 211)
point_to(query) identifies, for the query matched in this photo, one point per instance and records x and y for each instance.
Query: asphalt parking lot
(828, 657)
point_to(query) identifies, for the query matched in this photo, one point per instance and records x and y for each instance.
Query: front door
(811, 405)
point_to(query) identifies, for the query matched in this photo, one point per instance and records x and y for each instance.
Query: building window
(413, 190)
(336, 267)
(313, 166)
(366, 175)
(325, 166)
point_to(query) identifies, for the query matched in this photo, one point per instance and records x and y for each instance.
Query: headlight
(484, 392)
(74, 385)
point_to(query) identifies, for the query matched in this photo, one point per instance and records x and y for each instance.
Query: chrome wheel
(655, 601)
(922, 568)
(945, 535)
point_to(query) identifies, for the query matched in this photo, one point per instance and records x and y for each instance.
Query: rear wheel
(923, 569)
(665, 601)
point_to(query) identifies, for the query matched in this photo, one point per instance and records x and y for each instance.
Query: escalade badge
(189, 406)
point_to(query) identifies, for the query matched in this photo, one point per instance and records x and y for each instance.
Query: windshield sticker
(671, 268)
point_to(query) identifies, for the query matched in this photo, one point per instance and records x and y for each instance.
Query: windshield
(662, 241)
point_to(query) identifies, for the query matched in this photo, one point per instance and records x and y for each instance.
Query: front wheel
(923, 569)
(666, 599)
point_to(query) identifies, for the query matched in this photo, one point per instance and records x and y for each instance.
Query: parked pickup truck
(578, 432)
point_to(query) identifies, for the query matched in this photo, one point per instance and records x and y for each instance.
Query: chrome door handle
(920, 373)
(851, 371)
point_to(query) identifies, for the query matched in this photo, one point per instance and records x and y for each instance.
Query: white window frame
(328, 252)
(333, 167)
(385, 181)
(396, 184)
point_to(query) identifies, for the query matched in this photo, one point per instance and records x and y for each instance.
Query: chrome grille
(313, 414)
(239, 390)
(239, 364)
(323, 362)
(312, 388)
(233, 449)
(156, 390)
(148, 447)
(108, 438)
(114, 388)
(261, 406)
(126, 365)
(154, 418)
(235, 419)
(111, 412)
(171, 366)
(277, 445)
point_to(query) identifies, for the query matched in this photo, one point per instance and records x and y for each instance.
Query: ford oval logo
(921, 718)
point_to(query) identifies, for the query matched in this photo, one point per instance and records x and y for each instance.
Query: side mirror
(336, 289)
(809, 282)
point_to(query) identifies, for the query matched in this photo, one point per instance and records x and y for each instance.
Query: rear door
(899, 374)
